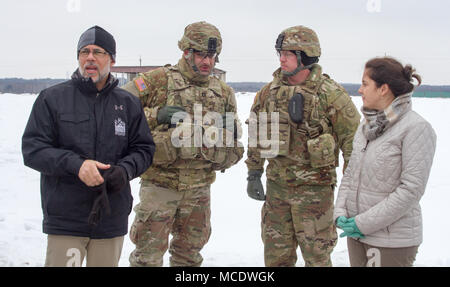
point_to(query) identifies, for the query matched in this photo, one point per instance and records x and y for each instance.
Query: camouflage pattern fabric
(175, 197)
(301, 38)
(175, 85)
(293, 217)
(299, 205)
(331, 104)
(163, 211)
(197, 35)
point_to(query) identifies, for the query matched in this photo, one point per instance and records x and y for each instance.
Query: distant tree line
(34, 86)
(23, 86)
(352, 89)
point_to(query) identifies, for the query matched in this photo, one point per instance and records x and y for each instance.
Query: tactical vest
(195, 155)
(310, 142)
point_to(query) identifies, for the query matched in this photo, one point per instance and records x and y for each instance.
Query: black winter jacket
(71, 122)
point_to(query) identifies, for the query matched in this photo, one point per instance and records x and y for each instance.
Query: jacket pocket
(165, 152)
(73, 129)
(69, 199)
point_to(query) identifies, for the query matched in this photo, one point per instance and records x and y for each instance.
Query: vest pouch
(188, 150)
(283, 138)
(225, 156)
(191, 152)
(165, 152)
(216, 150)
(269, 145)
(298, 149)
(233, 155)
(321, 151)
(216, 155)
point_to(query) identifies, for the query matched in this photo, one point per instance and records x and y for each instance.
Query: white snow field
(235, 239)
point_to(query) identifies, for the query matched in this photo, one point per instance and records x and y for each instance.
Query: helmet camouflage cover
(200, 36)
(299, 38)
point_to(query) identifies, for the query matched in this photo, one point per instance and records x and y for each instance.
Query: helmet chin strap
(190, 59)
(193, 72)
(299, 66)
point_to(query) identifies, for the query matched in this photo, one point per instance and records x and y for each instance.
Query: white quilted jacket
(385, 180)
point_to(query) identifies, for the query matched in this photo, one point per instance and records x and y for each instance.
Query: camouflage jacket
(155, 88)
(326, 105)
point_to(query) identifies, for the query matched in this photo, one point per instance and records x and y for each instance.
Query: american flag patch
(140, 84)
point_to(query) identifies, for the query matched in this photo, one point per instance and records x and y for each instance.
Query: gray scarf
(377, 122)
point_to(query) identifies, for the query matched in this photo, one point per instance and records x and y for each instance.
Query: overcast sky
(39, 38)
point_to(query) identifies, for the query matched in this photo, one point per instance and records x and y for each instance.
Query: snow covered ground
(235, 240)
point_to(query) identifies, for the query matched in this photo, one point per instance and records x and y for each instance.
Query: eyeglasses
(286, 54)
(97, 53)
(203, 55)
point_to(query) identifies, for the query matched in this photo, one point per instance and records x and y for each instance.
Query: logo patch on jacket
(119, 127)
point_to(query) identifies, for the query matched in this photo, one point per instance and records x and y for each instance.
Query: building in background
(126, 73)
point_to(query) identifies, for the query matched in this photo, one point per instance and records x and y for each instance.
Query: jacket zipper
(92, 231)
(95, 120)
(365, 148)
(359, 180)
(359, 176)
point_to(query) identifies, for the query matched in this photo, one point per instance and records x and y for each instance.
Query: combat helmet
(299, 39)
(201, 37)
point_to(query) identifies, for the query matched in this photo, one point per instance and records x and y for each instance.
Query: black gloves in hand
(166, 113)
(255, 188)
(116, 178)
(101, 203)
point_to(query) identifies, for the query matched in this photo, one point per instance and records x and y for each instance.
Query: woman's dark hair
(389, 71)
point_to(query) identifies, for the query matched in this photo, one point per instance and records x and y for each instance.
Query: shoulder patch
(350, 111)
(140, 84)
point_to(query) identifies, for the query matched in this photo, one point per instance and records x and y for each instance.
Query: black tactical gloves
(166, 113)
(116, 178)
(255, 188)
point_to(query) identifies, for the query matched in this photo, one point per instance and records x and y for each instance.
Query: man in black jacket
(88, 139)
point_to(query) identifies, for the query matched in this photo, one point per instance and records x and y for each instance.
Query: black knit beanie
(98, 36)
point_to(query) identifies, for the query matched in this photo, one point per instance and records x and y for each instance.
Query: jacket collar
(190, 75)
(310, 82)
(87, 86)
(377, 122)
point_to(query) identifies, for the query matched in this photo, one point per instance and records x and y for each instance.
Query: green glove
(341, 220)
(353, 235)
(166, 113)
(255, 188)
(350, 229)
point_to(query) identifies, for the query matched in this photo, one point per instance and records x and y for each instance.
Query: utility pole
(140, 61)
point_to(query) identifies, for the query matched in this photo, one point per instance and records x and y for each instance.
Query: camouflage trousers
(301, 216)
(184, 214)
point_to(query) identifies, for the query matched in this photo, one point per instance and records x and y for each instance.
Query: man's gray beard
(101, 75)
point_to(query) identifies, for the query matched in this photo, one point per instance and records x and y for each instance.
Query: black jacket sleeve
(140, 146)
(39, 143)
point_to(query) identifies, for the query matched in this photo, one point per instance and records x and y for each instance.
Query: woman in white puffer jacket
(378, 201)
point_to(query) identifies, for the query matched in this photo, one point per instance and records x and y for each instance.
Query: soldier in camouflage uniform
(316, 119)
(175, 190)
